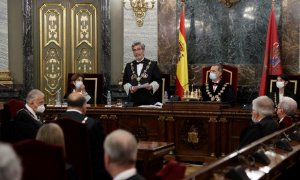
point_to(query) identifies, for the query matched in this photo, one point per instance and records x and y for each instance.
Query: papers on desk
(156, 105)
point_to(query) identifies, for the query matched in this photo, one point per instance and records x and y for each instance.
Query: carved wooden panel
(52, 32)
(84, 38)
(66, 32)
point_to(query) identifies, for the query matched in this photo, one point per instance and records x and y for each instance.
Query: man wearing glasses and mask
(217, 90)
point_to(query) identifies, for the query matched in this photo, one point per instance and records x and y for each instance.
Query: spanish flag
(272, 60)
(182, 64)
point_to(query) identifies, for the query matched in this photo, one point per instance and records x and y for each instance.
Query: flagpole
(182, 64)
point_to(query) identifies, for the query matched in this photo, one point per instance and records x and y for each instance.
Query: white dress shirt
(125, 174)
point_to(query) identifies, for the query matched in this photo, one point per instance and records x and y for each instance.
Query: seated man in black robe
(217, 90)
(262, 122)
(27, 121)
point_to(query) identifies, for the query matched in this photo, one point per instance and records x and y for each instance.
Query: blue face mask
(78, 84)
(212, 76)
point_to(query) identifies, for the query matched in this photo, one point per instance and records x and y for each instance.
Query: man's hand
(148, 86)
(133, 89)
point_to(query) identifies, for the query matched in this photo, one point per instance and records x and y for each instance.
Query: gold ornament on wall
(139, 8)
(229, 3)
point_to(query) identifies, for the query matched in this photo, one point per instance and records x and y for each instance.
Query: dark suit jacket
(286, 122)
(258, 130)
(25, 126)
(226, 91)
(136, 177)
(152, 72)
(97, 137)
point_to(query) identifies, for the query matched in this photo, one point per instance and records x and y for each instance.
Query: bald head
(121, 147)
(76, 99)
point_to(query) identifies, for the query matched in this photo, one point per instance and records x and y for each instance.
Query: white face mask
(212, 76)
(78, 84)
(280, 84)
(40, 109)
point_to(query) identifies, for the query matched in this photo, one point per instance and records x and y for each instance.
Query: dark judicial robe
(285, 122)
(275, 95)
(223, 93)
(97, 137)
(258, 130)
(25, 125)
(150, 72)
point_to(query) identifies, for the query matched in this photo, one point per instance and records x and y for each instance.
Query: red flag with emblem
(272, 60)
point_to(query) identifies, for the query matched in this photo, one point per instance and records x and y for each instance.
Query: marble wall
(147, 33)
(290, 36)
(218, 34)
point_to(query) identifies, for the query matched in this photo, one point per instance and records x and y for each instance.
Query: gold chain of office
(218, 96)
(142, 75)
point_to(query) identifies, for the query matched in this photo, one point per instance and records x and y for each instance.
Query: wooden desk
(201, 132)
(151, 156)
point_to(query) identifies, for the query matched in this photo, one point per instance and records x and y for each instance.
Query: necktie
(139, 62)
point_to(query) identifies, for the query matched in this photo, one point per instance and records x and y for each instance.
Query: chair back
(40, 160)
(230, 75)
(12, 106)
(293, 83)
(10, 110)
(172, 170)
(77, 146)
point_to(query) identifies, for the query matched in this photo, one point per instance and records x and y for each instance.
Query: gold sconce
(139, 8)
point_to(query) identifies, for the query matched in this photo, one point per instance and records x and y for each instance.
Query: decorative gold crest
(229, 3)
(193, 137)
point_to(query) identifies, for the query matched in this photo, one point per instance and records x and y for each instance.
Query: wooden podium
(151, 156)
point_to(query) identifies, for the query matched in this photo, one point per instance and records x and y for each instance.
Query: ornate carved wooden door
(67, 38)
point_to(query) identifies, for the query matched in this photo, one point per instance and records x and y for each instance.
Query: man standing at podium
(141, 78)
(217, 90)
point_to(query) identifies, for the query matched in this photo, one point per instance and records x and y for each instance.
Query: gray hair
(121, 147)
(33, 94)
(288, 105)
(263, 105)
(10, 164)
(138, 43)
